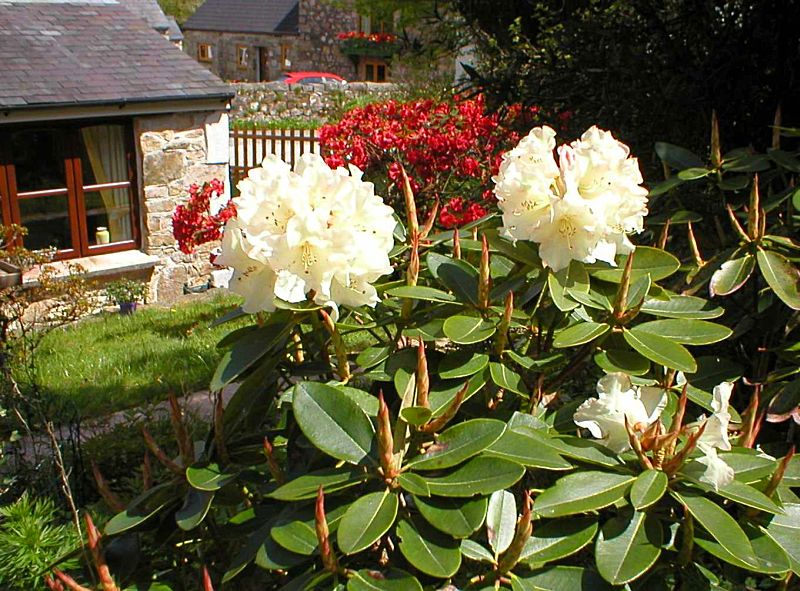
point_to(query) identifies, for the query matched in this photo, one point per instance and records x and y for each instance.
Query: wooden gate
(250, 146)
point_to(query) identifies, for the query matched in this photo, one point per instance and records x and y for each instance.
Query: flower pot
(127, 308)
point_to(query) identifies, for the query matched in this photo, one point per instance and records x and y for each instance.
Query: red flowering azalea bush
(194, 223)
(374, 37)
(450, 150)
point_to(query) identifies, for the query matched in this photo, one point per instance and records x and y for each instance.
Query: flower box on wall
(381, 45)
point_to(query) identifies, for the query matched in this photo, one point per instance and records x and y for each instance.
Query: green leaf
(456, 517)
(246, 352)
(296, 536)
(372, 356)
(271, 556)
(462, 364)
(416, 415)
(769, 556)
(414, 484)
(747, 163)
(208, 478)
(525, 450)
(142, 508)
(585, 450)
(627, 546)
(732, 275)
(784, 159)
(712, 370)
(560, 578)
(392, 580)
(648, 489)
(366, 520)
(420, 292)
(429, 551)
(194, 510)
(629, 362)
(661, 350)
(474, 551)
(366, 401)
(479, 476)
(785, 531)
(682, 307)
(677, 157)
(442, 394)
(582, 492)
(501, 520)
(722, 527)
(565, 282)
(687, 331)
(507, 379)
(520, 250)
(459, 443)
(748, 467)
(665, 186)
(579, 334)
(737, 490)
(306, 486)
(782, 277)
(467, 330)
(558, 539)
(658, 263)
(456, 275)
(332, 422)
(691, 174)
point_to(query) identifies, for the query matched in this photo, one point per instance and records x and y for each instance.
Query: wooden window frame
(375, 62)
(243, 57)
(284, 56)
(10, 197)
(205, 52)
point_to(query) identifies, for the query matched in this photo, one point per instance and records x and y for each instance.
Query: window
(242, 57)
(204, 53)
(71, 187)
(286, 63)
(374, 70)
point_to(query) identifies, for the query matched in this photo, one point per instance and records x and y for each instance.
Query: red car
(311, 78)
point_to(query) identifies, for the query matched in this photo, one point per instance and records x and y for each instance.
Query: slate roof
(91, 52)
(246, 16)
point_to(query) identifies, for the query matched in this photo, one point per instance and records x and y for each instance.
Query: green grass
(112, 362)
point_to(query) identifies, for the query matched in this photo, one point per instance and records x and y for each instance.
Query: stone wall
(320, 23)
(277, 100)
(174, 152)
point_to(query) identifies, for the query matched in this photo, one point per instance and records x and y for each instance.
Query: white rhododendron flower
(715, 437)
(314, 229)
(581, 207)
(618, 399)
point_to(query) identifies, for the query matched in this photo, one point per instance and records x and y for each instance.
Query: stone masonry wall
(176, 151)
(319, 24)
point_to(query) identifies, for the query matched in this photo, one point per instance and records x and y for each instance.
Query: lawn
(112, 362)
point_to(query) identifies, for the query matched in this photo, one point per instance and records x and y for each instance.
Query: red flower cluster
(450, 150)
(374, 37)
(193, 224)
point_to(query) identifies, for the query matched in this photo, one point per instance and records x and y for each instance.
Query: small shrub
(126, 290)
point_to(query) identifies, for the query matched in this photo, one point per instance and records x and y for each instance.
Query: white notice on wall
(217, 142)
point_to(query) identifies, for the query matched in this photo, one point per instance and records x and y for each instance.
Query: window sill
(99, 265)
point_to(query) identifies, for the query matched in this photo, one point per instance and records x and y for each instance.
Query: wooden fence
(250, 146)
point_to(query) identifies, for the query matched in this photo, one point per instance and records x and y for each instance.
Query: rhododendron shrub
(450, 150)
(203, 216)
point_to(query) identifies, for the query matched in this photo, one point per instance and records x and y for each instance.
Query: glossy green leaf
(770, 557)
(271, 556)
(392, 580)
(676, 156)
(416, 415)
(525, 450)
(467, 330)
(557, 539)
(459, 443)
(372, 356)
(457, 517)
(747, 163)
(246, 352)
(629, 362)
(479, 476)
(563, 283)
(194, 510)
(712, 370)
(748, 467)
(658, 263)
(414, 484)
(306, 486)
(462, 364)
(785, 531)
(682, 307)
(585, 450)
(648, 488)
(785, 160)
(366, 401)
(560, 578)
(456, 275)
(474, 551)
(332, 422)
(661, 350)
(296, 536)
(521, 250)
(582, 492)
(366, 520)
(781, 275)
(579, 334)
(507, 379)
(692, 174)
(141, 509)
(420, 292)
(687, 331)
(501, 520)
(731, 275)
(208, 478)
(429, 551)
(665, 186)
(722, 527)
(442, 394)
(737, 491)
(627, 546)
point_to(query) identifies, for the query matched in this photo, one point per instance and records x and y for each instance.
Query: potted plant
(127, 293)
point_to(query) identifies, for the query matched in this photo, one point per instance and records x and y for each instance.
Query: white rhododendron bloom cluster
(581, 207)
(617, 400)
(314, 230)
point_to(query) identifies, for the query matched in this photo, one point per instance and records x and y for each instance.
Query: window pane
(109, 209)
(381, 74)
(38, 157)
(47, 220)
(103, 158)
(369, 70)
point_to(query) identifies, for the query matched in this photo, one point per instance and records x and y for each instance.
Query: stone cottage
(104, 124)
(260, 40)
